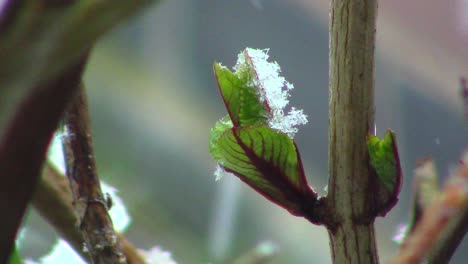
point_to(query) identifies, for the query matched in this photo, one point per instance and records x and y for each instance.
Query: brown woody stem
(89, 203)
(351, 117)
(53, 201)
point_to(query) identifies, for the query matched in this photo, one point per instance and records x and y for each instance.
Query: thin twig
(457, 227)
(53, 201)
(450, 238)
(40, 45)
(434, 233)
(351, 117)
(425, 189)
(23, 147)
(40, 38)
(89, 203)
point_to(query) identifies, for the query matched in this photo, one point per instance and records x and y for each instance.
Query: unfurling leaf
(384, 160)
(267, 161)
(255, 93)
(254, 142)
(240, 97)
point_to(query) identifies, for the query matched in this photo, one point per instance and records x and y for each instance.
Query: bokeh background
(153, 101)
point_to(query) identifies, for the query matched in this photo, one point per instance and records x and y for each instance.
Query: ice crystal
(273, 90)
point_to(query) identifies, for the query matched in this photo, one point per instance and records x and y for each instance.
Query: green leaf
(386, 183)
(383, 159)
(220, 127)
(243, 144)
(266, 160)
(240, 97)
(15, 257)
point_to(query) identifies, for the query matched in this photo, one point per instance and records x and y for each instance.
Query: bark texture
(89, 203)
(351, 118)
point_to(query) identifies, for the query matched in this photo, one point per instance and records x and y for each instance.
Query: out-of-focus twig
(442, 223)
(456, 229)
(89, 203)
(425, 189)
(262, 253)
(53, 200)
(23, 146)
(38, 38)
(41, 56)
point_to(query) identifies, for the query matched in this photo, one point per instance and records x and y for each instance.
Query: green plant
(255, 143)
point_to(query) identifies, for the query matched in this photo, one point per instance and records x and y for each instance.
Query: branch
(425, 190)
(23, 147)
(53, 200)
(442, 225)
(42, 43)
(351, 117)
(38, 38)
(450, 238)
(89, 203)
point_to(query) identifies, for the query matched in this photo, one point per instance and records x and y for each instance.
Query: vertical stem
(89, 204)
(351, 117)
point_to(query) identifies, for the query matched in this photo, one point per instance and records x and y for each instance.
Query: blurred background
(154, 100)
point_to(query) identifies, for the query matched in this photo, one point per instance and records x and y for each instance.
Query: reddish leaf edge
(303, 202)
(379, 207)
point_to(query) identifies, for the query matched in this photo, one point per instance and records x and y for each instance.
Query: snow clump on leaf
(273, 90)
